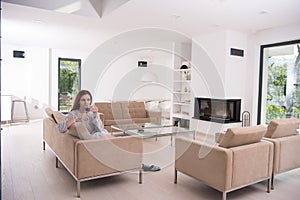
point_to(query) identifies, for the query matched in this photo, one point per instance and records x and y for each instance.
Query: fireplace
(217, 110)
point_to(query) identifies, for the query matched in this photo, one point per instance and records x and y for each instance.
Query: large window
(279, 81)
(68, 82)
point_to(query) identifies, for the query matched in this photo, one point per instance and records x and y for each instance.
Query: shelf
(181, 86)
(182, 70)
(181, 104)
(181, 116)
(186, 93)
(182, 81)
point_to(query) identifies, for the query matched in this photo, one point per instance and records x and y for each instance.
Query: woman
(82, 111)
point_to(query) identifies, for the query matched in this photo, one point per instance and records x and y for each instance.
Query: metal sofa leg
(224, 195)
(175, 176)
(56, 162)
(140, 176)
(268, 186)
(44, 145)
(272, 181)
(78, 188)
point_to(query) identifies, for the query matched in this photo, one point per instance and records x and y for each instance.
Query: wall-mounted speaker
(19, 54)
(236, 52)
(142, 63)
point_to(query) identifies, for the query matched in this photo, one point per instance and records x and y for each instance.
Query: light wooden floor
(30, 173)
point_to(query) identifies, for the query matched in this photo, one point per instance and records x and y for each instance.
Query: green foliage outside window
(276, 89)
(69, 78)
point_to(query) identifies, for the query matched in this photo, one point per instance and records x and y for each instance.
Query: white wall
(26, 77)
(124, 80)
(111, 72)
(214, 46)
(235, 66)
(219, 64)
(35, 77)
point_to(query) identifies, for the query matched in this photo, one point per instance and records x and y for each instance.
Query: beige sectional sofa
(239, 159)
(283, 134)
(91, 159)
(126, 112)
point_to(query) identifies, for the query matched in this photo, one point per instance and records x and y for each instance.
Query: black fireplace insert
(217, 110)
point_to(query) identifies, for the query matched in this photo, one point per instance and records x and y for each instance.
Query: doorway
(69, 73)
(279, 81)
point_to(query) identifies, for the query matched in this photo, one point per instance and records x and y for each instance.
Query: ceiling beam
(104, 7)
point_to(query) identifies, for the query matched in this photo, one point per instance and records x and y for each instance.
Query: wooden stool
(13, 107)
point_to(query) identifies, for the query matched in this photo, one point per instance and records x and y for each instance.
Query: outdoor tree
(283, 91)
(68, 83)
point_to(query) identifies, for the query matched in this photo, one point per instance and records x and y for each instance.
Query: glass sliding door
(68, 82)
(280, 81)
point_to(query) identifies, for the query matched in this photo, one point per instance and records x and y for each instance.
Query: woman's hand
(94, 109)
(72, 121)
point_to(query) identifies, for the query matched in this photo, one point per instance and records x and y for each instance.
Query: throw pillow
(282, 127)
(242, 136)
(49, 112)
(152, 105)
(79, 130)
(55, 115)
(58, 116)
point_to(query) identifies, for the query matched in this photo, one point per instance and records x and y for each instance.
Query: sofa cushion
(58, 116)
(241, 136)
(125, 109)
(79, 130)
(282, 127)
(49, 112)
(137, 110)
(133, 109)
(55, 115)
(110, 110)
(152, 105)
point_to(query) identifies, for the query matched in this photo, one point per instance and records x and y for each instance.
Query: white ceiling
(37, 26)
(90, 8)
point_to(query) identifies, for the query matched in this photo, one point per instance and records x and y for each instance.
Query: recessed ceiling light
(175, 16)
(216, 25)
(37, 21)
(263, 12)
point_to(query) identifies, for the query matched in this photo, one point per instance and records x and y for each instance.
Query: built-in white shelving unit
(181, 94)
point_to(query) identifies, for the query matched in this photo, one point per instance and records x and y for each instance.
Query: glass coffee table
(148, 130)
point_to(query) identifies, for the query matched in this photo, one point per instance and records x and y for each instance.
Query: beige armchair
(282, 133)
(240, 159)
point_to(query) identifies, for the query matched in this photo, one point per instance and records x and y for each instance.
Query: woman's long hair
(76, 103)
